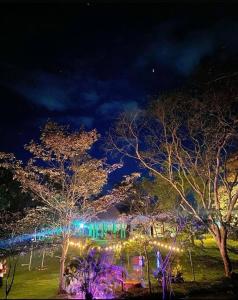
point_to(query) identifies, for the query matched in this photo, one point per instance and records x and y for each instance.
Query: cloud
(110, 109)
(47, 90)
(90, 97)
(183, 54)
(76, 121)
(62, 92)
(57, 92)
(53, 99)
(83, 120)
(130, 106)
(190, 54)
(170, 47)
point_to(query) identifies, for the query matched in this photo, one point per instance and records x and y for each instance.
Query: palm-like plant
(93, 276)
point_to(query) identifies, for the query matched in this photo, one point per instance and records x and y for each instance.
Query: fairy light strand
(119, 246)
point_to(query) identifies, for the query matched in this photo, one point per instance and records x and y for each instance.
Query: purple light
(93, 276)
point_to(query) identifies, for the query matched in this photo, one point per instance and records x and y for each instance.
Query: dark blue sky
(83, 64)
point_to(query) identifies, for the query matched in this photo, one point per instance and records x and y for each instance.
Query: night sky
(85, 63)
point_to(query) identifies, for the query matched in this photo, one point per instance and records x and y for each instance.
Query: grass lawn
(35, 283)
(42, 284)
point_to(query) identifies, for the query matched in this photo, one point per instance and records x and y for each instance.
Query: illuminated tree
(93, 276)
(65, 178)
(163, 207)
(154, 202)
(187, 142)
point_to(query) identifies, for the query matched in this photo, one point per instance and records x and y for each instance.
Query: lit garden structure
(111, 224)
(160, 225)
(100, 229)
(107, 225)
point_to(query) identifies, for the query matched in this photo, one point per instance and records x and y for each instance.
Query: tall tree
(66, 179)
(187, 141)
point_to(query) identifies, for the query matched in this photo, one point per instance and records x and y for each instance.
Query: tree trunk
(224, 253)
(148, 268)
(191, 236)
(221, 240)
(165, 286)
(65, 246)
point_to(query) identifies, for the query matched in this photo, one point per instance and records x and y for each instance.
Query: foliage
(41, 284)
(65, 178)
(93, 276)
(167, 197)
(188, 142)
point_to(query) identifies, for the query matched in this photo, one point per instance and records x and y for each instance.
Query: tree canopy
(187, 142)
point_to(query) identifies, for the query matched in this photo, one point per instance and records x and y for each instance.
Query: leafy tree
(165, 194)
(187, 141)
(167, 205)
(65, 178)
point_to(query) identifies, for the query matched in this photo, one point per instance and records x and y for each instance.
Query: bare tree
(189, 143)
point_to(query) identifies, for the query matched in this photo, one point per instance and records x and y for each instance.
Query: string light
(119, 246)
